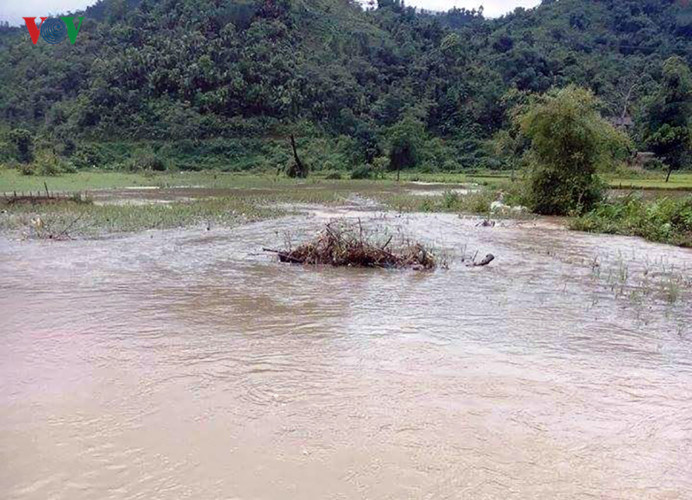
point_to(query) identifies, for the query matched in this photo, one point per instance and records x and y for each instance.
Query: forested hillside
(170, 70)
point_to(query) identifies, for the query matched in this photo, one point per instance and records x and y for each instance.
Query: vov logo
(53, 29)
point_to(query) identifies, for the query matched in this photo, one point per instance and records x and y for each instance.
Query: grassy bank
(664, 220)
(13, 180)
(678, 182)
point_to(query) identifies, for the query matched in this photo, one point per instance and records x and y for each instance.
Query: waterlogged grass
(238, 193)
(248, 198)
(482, 178)
(12, 180)
(664, 220)
(476, 203)
(645, 281)
(70, 220)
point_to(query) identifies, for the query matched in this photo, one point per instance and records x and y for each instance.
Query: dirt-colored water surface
(187, 364)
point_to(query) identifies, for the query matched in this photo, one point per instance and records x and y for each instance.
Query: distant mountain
(170, 69)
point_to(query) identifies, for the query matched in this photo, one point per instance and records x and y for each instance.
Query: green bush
(23, 142)
(87, 156)
(665, 220)
(6, 152)
(146, 160)
(47, 164)
(555, 192)
(363, 172)
(26, 169)
(406, 142)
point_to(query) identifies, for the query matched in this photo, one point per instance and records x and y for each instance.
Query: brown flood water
(186, 365)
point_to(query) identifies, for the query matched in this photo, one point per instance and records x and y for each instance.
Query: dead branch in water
(346, 244)
(484, 262)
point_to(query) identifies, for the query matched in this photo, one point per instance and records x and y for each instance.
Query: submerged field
(118, 202)
(188, 363)
(332, 382)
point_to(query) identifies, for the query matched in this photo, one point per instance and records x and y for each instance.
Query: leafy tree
(367, 142)
(670, 116)
(569, 140)
(406, 139)
(23, 142)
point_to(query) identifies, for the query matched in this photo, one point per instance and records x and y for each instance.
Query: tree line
(388, 87)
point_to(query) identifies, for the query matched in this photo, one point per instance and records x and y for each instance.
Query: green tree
(670, 116)
(569, 141)
(406, 138)
(510, 144)
(23, 142)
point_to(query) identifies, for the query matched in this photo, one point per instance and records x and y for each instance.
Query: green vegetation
(85, 180)
(23, 143)
(450, 201)
(677, 182)
(669, 127)
(569, 140)
(12, 180)
(663, 220)
(69, 219)
(189, 85)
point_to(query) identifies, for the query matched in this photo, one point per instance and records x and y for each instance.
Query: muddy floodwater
(187, 364)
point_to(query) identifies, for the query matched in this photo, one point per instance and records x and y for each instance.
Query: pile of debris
(346, 244)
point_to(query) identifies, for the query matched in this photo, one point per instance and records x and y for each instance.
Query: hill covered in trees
(191, 73)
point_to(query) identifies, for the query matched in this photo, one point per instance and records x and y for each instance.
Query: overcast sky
(14, 10)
